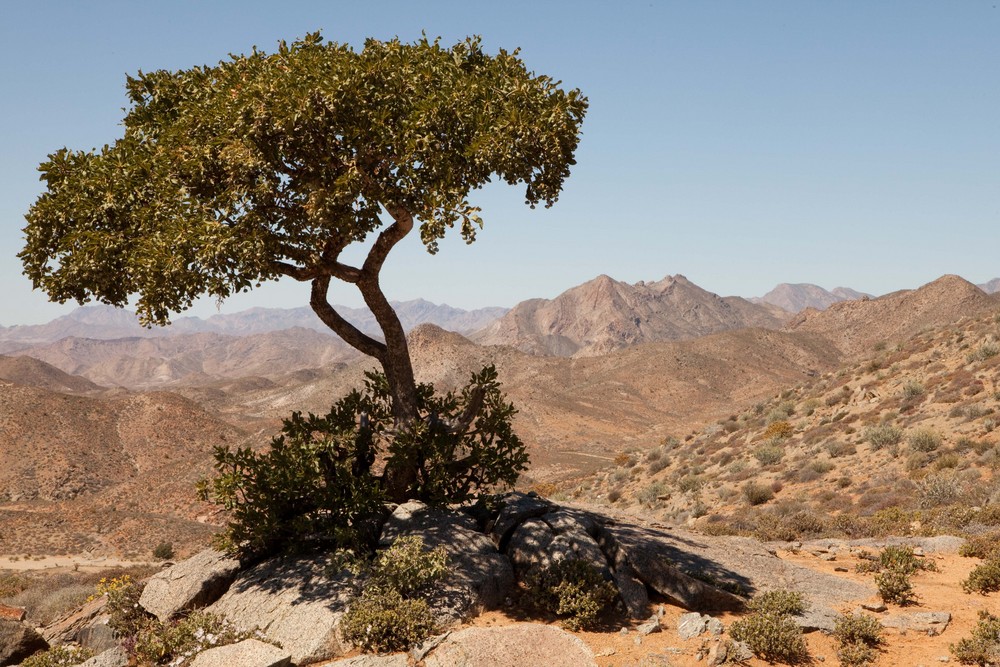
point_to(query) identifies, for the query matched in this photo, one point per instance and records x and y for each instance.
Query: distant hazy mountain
(603, 315)
(991, 287)
(103, 322)
(794, 297)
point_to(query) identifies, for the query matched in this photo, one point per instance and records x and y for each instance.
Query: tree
(271, 165)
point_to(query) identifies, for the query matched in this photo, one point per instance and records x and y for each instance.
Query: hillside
(105, 473)
(796, 297)
(855, 327)
(604, 315)
(990, 287)
(192, 359)
(32, 372)
(904, 441)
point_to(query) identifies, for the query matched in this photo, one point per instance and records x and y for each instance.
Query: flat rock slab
(196, 582)
(737, 562)
(478, 578)
(247, 653)
(931, 623)
(86, 626)
(511, 646)
(296, 602)
(662, 561)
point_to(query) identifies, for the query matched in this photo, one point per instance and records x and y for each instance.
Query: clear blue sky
(742, 144)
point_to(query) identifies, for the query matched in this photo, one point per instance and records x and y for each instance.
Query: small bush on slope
(769, 631)
(983, 647)
(390, 615)
(573, 589)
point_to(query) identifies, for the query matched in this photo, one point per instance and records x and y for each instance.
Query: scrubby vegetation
(573, 590)
(769, 631)
(858, 638)
(983, 647)
(392, 613)
(316, 485)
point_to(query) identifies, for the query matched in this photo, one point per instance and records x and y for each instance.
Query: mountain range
(85, 458)
(603, 315)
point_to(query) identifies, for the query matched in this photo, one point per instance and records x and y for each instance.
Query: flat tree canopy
(269, 165)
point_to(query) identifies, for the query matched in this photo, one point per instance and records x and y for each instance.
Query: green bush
(316, 485)
(984, 578)
(913, 389)
(383, 621)
(126, 617)
(983, 647)
(858, 638)
(407, 568)
(778, 603)
(769, 631)
(572, 589)
(163, 551)
(177, 642)
(389, 615)
(59, 656)
(895, 586)
(981, 546)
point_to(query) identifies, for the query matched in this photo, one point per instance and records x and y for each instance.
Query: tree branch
(472, 409)
(390, 236)
(331, 318)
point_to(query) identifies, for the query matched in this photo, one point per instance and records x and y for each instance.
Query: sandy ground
(936, 591)
(81, 563)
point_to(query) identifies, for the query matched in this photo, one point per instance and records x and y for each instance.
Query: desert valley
(802, 415)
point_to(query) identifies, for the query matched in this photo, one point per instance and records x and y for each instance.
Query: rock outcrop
(511, 646)
(190, 584)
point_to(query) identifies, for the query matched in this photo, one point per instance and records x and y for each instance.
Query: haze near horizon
(740, 145)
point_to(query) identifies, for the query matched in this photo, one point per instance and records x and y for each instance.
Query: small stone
(840, 568)
(877, 607)
(691, 625)
(623, 631)
(828, 557)
(944, 658)
(650, 626)
(714, 626)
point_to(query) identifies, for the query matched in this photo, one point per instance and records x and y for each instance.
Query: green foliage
(893, 568)
(59, 656)
(383, 621)
(572, 589)
(913, 389)
(895, 586)
(983, 647)
(981, 546)
(163, 551)
(126, 617)
(407, 568)
(987, 350)
(389, 615)
(651, 493)
(984, 578)
(179, 641)
(778, 603)
(227, 175)
(769, 630)
(858, 638)
(316, 485)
